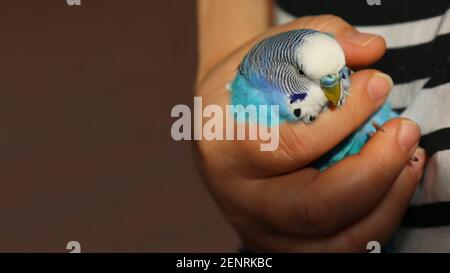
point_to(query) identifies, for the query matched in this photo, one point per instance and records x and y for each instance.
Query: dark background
(85, 147)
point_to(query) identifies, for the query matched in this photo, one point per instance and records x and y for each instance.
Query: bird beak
(333, 92)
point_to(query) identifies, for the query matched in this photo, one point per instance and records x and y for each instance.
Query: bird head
(322, 60)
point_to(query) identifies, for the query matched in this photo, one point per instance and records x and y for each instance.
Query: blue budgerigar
(303, 72)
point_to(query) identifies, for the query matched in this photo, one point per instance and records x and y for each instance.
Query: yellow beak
(333, 93)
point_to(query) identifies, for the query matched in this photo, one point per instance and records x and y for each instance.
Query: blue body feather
(242, 93)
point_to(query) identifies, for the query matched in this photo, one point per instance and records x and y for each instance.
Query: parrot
(304, 73)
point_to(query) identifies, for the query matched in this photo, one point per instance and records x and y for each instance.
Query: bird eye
(301, 72)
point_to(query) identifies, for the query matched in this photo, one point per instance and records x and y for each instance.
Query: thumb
(361, 49)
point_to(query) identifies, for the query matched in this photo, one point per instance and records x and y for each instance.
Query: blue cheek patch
(295, 97)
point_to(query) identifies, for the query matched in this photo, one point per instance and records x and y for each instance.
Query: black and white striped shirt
(417, 34)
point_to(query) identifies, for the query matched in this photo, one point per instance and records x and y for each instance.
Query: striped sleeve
(417, 34)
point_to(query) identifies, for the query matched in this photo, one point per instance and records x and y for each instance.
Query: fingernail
(408, 136)
(379, 86)
(361, 39)
(417, 167)
(419, 153)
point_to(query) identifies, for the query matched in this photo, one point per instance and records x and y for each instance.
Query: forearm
(223, 25)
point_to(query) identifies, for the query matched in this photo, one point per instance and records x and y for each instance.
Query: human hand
(276, 202)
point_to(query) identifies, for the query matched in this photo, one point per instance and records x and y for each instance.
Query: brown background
(85, 146)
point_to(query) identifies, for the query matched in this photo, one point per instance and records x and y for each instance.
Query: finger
(377, 225)
(361, 49)
(370, 89)
(310, 202)
(381, 223)
(354, 186)
(296, 150)
(316, 203)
